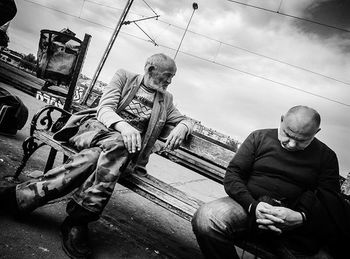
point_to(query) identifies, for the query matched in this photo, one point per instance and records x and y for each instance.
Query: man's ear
(282, 117)
(151, 68)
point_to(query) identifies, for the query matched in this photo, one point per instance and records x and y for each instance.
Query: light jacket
(116, 96)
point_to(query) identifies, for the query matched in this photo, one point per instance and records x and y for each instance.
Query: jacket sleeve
(174, 117)
(106, 110)
(328, 180)
(238, 172)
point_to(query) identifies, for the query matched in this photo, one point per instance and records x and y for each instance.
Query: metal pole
(108, 49)
(195, 7)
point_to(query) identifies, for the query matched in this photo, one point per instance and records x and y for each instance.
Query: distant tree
(28, 62)
(232, 143)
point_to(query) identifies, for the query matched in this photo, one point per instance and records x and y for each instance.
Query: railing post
(77, 69)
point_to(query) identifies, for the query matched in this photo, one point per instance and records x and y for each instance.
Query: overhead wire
(82, 7)
(261, 55)
(134, 21)
(150, 7)
(116, 8)
(291, 16)
(279, 6)
(258, 76)
(203, 59)
(155, 43)
(238, 47)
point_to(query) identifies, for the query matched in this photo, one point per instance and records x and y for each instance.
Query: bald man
(274, 184)
(133, 112)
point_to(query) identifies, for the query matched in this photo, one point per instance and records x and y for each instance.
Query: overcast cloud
(221, 81)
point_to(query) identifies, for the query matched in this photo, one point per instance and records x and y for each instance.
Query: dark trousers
(218, 223)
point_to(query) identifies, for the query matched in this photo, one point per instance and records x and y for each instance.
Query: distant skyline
(239, 68)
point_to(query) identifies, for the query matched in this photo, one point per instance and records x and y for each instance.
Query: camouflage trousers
(94, 171)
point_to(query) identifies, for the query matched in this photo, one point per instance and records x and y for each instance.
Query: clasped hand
(276, 218)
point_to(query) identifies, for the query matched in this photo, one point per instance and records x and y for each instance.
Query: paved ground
(131, 226)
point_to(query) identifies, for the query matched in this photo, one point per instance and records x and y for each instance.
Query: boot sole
(67, 252)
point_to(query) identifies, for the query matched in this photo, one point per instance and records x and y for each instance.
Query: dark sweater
(262, 166)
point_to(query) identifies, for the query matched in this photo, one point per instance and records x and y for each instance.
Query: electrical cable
(240, 48)
(115, 8)
(155, 44)
(279, 7)
(150, 7)
(82, 7)
(291, 16)
(260, 77)
(261, 55)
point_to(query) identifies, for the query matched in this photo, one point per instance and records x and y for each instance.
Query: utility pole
(195, 7)
(108, 49)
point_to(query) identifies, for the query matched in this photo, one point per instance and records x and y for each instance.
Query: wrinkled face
(294, 135)
(160, 77)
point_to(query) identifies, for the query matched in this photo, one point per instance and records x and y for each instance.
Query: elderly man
(133, 112)
(283, 187)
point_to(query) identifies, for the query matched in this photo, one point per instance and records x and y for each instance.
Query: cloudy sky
(239, 67)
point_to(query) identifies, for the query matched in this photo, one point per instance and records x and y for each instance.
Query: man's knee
(112, 141)
(92, 153)
(221, 216)
(85, 157)
(207, 220)
(201, 221)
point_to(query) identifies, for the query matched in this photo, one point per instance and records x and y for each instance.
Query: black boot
(8, 196)
(75, 239)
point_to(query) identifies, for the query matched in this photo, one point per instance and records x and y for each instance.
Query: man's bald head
(305, 116)
(299, 127)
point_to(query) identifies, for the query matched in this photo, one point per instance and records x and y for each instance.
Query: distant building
(85, 82)
(213, 134)
(11, 57)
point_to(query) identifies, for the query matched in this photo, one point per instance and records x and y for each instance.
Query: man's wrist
(252, 208)
(187, 129)
(249, 208)
(117, 124)
(303, 217)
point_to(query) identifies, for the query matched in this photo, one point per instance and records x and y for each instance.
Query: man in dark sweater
(282, 184)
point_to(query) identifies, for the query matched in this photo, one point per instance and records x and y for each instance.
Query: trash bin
(57, 55)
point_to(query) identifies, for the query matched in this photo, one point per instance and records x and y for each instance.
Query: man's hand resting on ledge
(176, 136)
